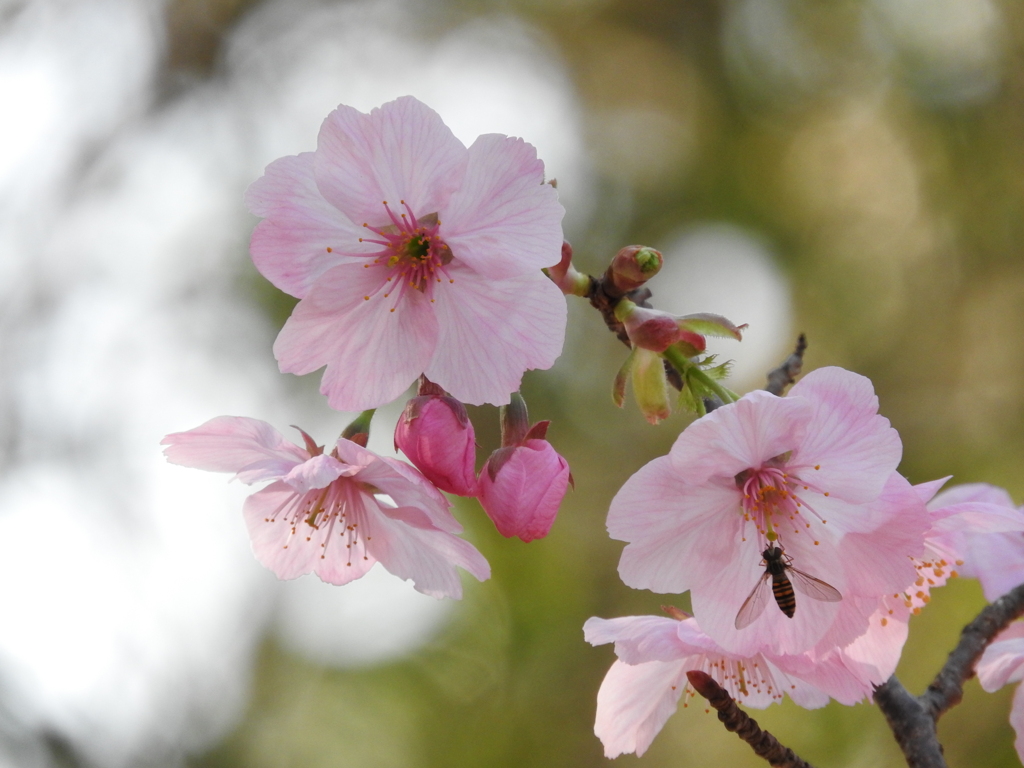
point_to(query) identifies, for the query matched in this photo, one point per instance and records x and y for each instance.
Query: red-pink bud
(633, 266)
(435, 433)
(651, 329)
(521, 488)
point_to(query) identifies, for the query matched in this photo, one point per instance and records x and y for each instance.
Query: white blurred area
(951, 51)
(132, 608)
(724, 269)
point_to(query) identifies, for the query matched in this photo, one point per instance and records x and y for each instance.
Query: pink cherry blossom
(522, 486)
(643, 688)
(411, 254)
(333, 514)
(985, 530)
(814, 473)
(1001, 664)
(435, 433)
(955, 517)
(974, 531)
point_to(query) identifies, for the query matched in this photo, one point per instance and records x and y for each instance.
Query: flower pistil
(413, 250)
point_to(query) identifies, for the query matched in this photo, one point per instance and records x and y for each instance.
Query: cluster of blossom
(416, 258)
(413, 257)
(769, 494)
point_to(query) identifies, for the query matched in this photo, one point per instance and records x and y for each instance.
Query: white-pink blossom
(1001, 664)
(985, 530)
(812, 472)
(955, 517)
(411, 254)
(333, 514)
(643, 688)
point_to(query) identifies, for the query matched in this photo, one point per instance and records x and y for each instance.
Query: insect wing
(816, 589)
(754, 605)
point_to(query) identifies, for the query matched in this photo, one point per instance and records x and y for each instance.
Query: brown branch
(739, 722)
(786, 374)
(912, 719)
(911, 724)
(946, 689)
(604, 297)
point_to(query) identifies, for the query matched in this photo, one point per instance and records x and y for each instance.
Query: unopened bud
(523, 482)
(436, 435)
(633, 266)
(647, 328)
(521, 488)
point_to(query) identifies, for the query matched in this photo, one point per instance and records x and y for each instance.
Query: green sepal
(515, 421)
(619, 386)
(708, 324)
(650, 385)
(359, 430)
(687, 401)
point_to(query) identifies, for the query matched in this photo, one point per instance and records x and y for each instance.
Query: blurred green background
(877, 148)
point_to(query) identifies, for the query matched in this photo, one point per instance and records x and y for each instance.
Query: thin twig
(946, 689)
(604, 298)
(739, 722)
(786, 374)
(912, 719)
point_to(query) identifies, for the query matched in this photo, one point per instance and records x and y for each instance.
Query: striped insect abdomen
(783, 591)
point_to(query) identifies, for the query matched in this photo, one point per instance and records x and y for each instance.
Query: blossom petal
(879, 562)
(293, 550)
(854, 447)
(740, 436)
(810, 681)
(372, 353)
(634, 702)
(718, 598)
(977, 517)
(249, 447)
(504, 220)
(408, 488)
(491, 332)
(638, 639)
(871, 659)
(319, 472)
(996, 560)
(426, 556)
(928, 490)
(400, 151)
(679, 534)
(973, 492)
(1003, 660)
(301, 235)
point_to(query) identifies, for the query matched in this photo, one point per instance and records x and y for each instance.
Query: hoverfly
(784, 578)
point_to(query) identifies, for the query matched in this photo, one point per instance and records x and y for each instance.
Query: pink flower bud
(435, 433)
(522, 486)
(651, 329)
(633, 266)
